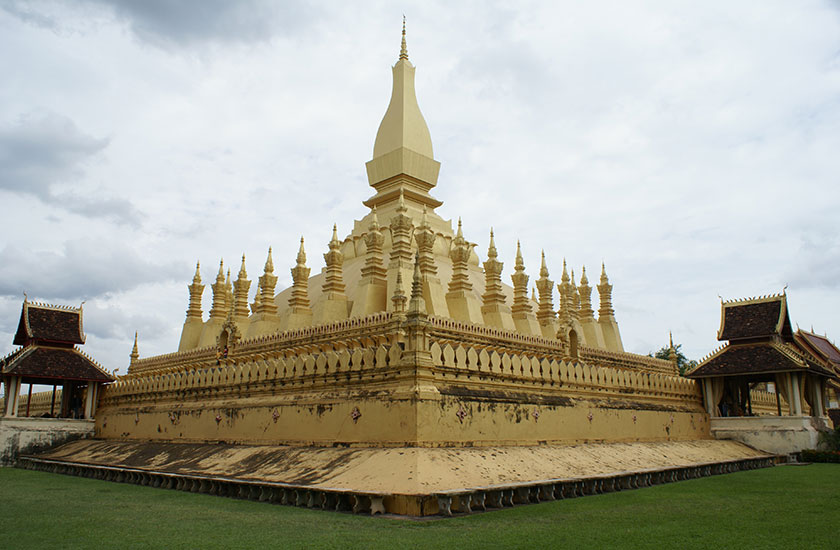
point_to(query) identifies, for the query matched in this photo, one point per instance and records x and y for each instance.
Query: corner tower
(403, 160)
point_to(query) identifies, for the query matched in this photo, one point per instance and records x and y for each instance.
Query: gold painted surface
(404, 470)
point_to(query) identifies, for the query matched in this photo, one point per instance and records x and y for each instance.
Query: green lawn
(782, 507)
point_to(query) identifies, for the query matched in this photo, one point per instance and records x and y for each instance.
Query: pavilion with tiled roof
(761, 348)
(49, 336)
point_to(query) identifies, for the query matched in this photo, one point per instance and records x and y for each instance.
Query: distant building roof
(53, 364)
(820, 346)
(755, 318)
(49, 323)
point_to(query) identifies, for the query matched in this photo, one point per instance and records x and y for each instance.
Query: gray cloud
(43, 151)
(111, 321)
(185, 22)
(817, 263)
(84, 269)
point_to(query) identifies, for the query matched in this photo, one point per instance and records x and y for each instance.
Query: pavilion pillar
(66, 390)
(91, 391)
(819, 409)
(796, 406)
(707, 396)
(12, 395)
(28, 400)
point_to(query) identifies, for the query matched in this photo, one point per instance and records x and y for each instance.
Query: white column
(91, 390)
(789, 384)
(707, 396)
(797, 399)
(819, 410)
(12, 394)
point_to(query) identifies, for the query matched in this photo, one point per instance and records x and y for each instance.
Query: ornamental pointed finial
(401, 207)
(403, 47)
(417, 304)
(519, 260)
(583, 279)
(335, 234)
(135, 353)
(543, 267)
(374, 222)
(242, 273)
(399, 298)
(565, 277)
(269, 263)
(491, 250)
(460, 233)
(301, 255)
(197, 276)
(424, 221)
(227, 279)
(220, 278)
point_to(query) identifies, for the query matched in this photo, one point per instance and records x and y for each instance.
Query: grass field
(782, 507)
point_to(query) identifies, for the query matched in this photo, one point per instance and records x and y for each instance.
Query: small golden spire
(197, 277)
(269, 263)
(491, 250)
(403, 48)
(301, 256)
(135, 353)
(242, 273)
(543, 267)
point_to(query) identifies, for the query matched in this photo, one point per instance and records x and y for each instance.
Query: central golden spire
(403, 124)
(402, 153)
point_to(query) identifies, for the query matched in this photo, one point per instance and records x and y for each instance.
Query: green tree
(684, 364)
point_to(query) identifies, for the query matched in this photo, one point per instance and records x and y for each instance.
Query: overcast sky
(692, 146)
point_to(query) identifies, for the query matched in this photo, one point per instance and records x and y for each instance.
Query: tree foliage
(684, 364)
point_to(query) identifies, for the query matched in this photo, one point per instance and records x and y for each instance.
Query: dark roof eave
(743, 373)
(26, 377)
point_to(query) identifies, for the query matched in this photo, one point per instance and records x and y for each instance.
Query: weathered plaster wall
(772, 434)
(32, 435)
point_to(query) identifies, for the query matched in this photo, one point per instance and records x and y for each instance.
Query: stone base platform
(29, 435)
(404, 481)
(772, 434)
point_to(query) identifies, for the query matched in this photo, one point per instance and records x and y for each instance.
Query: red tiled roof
(45, 323)
(54, 363)
(754, 319)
